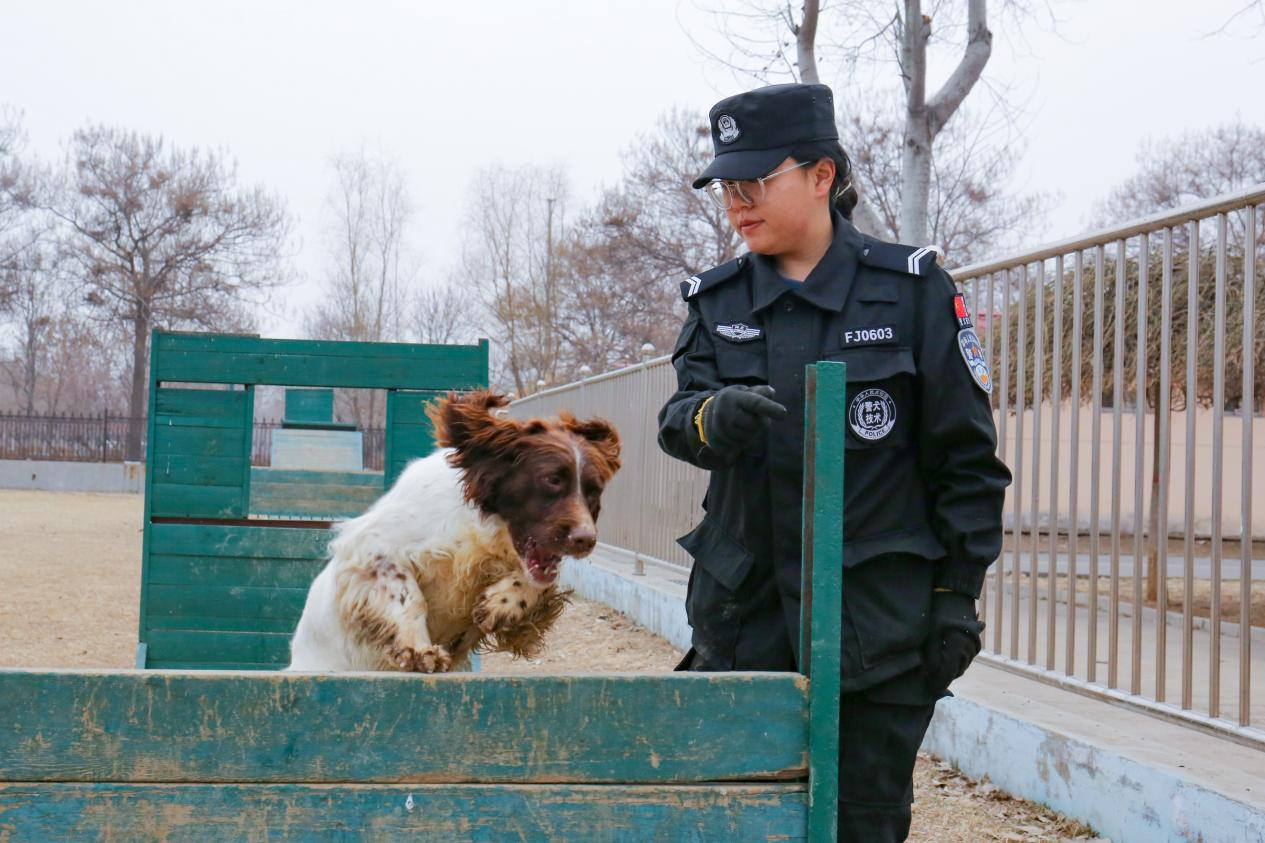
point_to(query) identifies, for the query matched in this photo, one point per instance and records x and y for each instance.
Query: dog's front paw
(500, 607)
(433, 659)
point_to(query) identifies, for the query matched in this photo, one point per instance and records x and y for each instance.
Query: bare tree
(624, 258)
(760, 35)
(442, 314)
(36, 301)
(370, 262)
(510, 258)
(164, 238)
(970, 210)
(17, 182)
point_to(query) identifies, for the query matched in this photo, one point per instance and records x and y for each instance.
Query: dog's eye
(555, 481)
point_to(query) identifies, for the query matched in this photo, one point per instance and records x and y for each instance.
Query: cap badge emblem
(727, 130)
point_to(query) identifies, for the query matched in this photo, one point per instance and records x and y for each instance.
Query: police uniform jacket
(923, 487)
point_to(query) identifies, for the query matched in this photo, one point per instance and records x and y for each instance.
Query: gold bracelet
(698, 418)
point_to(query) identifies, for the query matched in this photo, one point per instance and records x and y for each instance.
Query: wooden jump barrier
(181, 754)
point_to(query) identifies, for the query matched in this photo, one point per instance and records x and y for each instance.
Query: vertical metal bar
(1248, 412)
(1020, 401)
(1034, 563)
(1003, 396)
(1218, 459)
(1165, 449)
(1117, 446)
(1095, 471)
(1073, 492)
(1188, 521)
(1056, 406)
(1139, 466)
(982, 605)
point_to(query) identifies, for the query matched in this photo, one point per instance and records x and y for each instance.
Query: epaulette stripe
(693, 281)
(914, 259)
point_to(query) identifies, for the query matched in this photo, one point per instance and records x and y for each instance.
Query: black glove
(736, 415)
(954, 639)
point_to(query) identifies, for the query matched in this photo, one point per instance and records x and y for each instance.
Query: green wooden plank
(142, 726)
(236, 601)
(220, 624)
(199, 471)
(821, 610)
(199, 421)
(200, 403)
(211, 646)
(167, 569)
(309, 405)
(216, 665)
(172, 500)
(296, 505)
(310, 477)
(366, 352)
(236, 541)
(442, 368)
(471, 812)
(199, 442)
(248, 425)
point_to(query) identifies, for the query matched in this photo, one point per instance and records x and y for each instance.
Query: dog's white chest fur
(415, 582)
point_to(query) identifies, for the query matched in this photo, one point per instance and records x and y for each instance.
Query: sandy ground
(69, 591)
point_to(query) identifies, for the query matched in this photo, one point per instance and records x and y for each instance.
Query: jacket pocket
(882, 409)
(721, 554)
(742, 362)
(888, 602)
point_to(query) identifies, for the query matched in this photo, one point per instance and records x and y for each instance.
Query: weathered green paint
(258, 572)
(215, 647)
(734, 813)
(250, 360)
(821, 611)
(309, 405)
(227, 601)
(312, 494)
(409, 433)
(232, 540)
(143, 726)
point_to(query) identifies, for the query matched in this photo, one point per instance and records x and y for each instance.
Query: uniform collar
(826, 286)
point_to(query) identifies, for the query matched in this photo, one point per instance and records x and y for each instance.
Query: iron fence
(79, 438)
(103, 438)
(1147, 534)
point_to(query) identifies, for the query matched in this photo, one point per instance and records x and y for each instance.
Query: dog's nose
(581, 540)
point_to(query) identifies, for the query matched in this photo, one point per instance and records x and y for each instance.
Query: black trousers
(880, 731)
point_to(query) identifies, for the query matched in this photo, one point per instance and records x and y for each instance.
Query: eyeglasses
(748, 191)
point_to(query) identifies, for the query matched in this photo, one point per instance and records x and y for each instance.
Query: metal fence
(79, 438)
(1133, 440)
(103, 438)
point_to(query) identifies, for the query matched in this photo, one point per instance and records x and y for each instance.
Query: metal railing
(1077, 598)
(1153, 328)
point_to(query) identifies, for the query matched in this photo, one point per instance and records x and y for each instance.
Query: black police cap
(754, 131)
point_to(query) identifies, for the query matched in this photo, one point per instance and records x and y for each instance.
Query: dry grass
(69, 592)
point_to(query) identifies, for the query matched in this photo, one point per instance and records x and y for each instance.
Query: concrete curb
(59, 476)
(1122, 798)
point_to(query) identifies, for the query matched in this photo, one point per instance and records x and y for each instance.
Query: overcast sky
(447, 88)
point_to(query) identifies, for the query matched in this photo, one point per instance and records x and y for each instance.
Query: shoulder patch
(897, 257)
(696, 284)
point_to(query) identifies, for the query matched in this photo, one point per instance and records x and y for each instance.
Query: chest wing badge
(738, 332)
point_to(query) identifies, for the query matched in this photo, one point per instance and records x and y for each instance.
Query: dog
(463, 551)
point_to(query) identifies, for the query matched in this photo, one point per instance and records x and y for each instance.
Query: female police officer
(924, 489)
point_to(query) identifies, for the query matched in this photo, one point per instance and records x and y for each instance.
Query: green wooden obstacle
(222, 589)
(226, 755)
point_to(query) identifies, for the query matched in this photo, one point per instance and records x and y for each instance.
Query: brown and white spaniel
(464, 550)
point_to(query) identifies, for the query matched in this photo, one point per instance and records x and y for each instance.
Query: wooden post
(822, 607)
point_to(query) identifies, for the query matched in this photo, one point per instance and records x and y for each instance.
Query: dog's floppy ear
(603, 438)
(483, 444)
